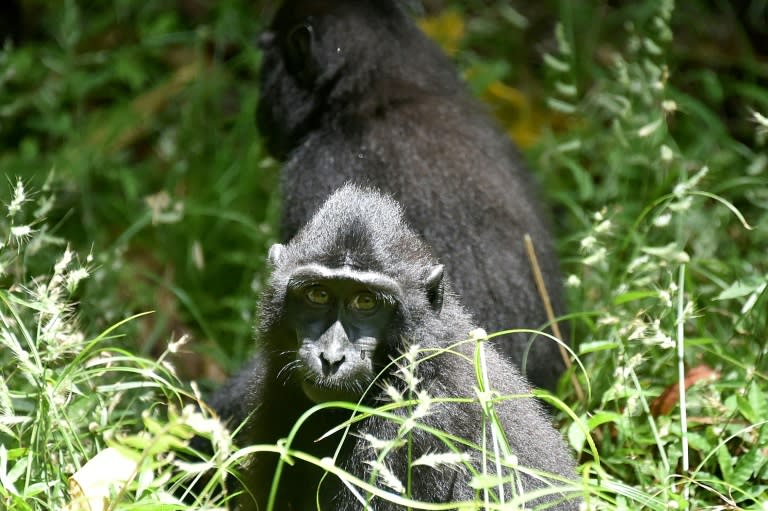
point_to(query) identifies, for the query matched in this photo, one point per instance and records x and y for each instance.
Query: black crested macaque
(352, 90)
(353, 290)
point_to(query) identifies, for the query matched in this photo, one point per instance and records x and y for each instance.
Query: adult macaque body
(353, 91)
(352, 291)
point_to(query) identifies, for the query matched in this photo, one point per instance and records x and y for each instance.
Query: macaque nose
(331, 363)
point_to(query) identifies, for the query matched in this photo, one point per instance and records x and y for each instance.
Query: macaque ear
(299, 52)
(435, 288)
(265, 40)
(276, 253)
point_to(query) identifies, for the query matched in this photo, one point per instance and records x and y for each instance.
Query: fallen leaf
(664, 404)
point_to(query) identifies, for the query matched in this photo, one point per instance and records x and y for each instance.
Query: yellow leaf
(522, 119)
(447, 29)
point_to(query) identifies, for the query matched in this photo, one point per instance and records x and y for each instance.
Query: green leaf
(737, 290)
(758, 403)
(591, 347)
(19, 503)
(725, 461)
(576, 437)
(745, 408)
(746, 465)
(584, 182)
(699, 442)
(603, 417)
(633, 296)
(18, 469)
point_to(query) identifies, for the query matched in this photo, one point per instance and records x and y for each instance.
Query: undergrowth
(669, 223)
(136, 182)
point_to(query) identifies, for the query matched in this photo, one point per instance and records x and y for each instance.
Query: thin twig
(539, 278)
(681, 375)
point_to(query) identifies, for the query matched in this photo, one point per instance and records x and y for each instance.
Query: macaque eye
(364, 301)
(317, 295)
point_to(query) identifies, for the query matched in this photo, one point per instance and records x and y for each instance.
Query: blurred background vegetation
(132, 126)
(140, 119)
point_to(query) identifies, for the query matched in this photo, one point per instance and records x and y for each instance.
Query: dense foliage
(136, 182)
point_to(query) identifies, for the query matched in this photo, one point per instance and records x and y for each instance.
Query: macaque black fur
(10, 21)
(353, 91)
(361, 236)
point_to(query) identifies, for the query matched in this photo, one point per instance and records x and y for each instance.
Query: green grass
(667, 265)
(137, 103)
(136, 182)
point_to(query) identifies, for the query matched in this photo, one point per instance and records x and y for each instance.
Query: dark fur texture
(353, 91)
(365, 230)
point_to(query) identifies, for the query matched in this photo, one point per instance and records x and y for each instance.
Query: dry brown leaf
(664, 404)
